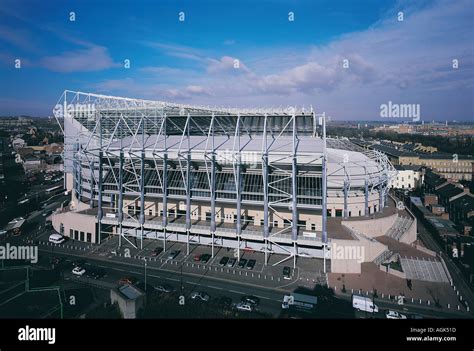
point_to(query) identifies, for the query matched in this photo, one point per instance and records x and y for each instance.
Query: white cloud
(226, 64)
(93, 58)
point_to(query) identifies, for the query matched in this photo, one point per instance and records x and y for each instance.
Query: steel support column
(266, 230)
(294, 200)
(99, 185)
(381, 197)
(164, 184)
(346, 195)
(164, 210)
(238, 188)
(188, 200)
(366, 193)
(324, 192)
(142, 187)
(92, 184)
(213, 186)
(120, 197)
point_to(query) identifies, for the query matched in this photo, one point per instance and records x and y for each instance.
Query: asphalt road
(270, 297)
(270, 300)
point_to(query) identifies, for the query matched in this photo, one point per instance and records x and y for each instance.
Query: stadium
(266, 180)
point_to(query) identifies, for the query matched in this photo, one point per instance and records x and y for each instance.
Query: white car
(394, 315)
(198, 295)
(79, 271)
(242, 306)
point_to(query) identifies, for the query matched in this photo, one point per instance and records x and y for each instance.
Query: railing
(383, 257)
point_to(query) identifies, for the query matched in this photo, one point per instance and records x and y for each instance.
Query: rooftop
(130, 292)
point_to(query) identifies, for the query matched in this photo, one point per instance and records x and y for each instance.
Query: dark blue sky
(242, 53)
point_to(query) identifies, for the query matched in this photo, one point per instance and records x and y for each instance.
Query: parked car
(156, 251)
(127, 280)
(242, 263)
(286, 273)
(197, 258)
(394, 315)
(251, 264)
(231, 262)
(223, 261)
(79, 271)
(164, 288)
(205, 258)
(173, 254)
(247, 307)
(200, 296)
(254, 300)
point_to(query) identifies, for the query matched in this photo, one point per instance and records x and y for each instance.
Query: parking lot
(308, 272)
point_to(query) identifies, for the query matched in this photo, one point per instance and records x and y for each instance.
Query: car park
(394, 315)
(286, 273)
(231, 262)
(242, 263)
(223, 261)
(79, 271)
(250, 264)
(200, 296)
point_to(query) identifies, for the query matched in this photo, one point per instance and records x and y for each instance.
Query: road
(270, 297)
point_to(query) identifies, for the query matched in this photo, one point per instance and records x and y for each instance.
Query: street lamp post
(181, 276)
(145, 271)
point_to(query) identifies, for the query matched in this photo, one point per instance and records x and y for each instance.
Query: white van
(365, 304)
(56, 239)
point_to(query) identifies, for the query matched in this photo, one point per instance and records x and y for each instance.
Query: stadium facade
(264, 179)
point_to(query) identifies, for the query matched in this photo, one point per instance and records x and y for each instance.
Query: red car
(127, 280)
(197, 258)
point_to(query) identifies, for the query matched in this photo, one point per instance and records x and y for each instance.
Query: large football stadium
(267, 180)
